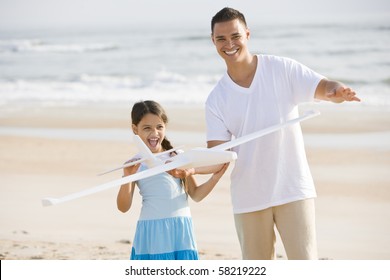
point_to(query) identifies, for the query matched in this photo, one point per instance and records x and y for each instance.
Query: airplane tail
(145, 152)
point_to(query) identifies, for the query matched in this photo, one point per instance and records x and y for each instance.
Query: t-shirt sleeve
(215, 127)
(304, 82)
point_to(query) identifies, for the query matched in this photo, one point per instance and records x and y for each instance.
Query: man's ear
(248, 33)
(212, 38)
(134, 128)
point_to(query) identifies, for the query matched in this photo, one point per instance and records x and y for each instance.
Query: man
(271, 184)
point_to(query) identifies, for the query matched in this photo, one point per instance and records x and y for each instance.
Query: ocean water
(179, 65)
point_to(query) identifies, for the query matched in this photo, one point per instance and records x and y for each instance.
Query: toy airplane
(150, 160)
(193, 158)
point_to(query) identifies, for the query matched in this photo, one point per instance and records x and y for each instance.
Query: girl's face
(151, 129)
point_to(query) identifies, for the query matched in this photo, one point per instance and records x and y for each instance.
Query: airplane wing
(170, 151)
(131, 178)
(123, 166)
(260, 133)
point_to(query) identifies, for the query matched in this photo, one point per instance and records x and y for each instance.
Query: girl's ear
(134, 128)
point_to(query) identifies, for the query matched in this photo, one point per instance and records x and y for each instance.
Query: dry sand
(53, 151)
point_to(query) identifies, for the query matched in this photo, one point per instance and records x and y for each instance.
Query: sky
(74, 13)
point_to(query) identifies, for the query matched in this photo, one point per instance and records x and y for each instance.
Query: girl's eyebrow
(149, 125)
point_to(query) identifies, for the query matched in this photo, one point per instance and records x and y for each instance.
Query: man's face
(230, 39)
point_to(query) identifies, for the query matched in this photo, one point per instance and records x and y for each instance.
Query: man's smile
(232, 52)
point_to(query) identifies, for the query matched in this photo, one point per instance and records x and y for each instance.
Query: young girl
(164, 229)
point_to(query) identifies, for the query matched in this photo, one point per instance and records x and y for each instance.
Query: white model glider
(150, 162)
(197, 157)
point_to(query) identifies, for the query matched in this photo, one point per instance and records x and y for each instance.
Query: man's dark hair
(227, 14)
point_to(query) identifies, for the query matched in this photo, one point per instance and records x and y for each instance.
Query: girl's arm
(197, 193)
(125, 197)
(126, 192)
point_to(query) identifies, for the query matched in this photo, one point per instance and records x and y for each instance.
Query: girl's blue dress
(164, 229)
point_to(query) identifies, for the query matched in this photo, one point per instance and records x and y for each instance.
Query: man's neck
(243, 72)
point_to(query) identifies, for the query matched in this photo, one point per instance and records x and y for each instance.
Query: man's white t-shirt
(271, 170)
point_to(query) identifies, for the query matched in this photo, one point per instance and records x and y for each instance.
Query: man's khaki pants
(295, 223)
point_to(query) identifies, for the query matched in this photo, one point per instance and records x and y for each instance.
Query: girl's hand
(130, 170)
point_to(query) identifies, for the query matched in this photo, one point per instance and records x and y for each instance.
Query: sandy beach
(54, 151)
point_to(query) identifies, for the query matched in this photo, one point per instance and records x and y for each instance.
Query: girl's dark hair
(227, 14)
(142, 108)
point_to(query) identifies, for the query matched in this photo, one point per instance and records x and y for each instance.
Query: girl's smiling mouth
(153, 142)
